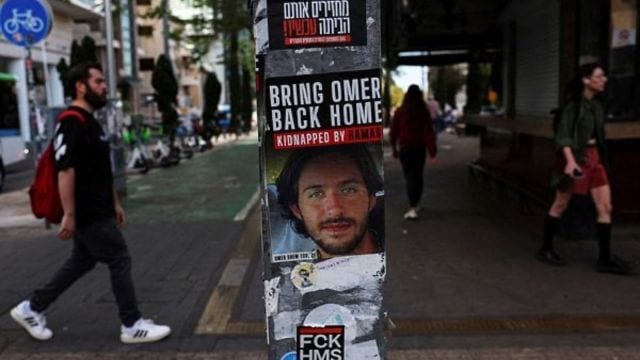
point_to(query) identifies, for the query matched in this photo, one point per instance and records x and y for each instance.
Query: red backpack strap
(72, 113)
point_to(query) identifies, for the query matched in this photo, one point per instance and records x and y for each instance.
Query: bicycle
(26, 20)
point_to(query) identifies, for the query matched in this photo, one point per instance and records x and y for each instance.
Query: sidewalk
(462, 281)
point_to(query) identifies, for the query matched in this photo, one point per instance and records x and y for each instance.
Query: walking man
(92, 214)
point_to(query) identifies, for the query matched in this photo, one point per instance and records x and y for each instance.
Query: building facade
(544, 41)
(48, 90)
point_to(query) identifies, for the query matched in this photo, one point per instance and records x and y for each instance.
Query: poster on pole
(316, 23)
(323, 234)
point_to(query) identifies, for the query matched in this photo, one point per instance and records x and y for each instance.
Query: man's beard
(344, 248)
(94, 99)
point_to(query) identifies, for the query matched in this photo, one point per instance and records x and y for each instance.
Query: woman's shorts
(594, 173)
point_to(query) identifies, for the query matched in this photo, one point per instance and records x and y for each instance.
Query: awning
(7, 77)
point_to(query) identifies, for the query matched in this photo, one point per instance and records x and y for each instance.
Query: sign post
(25, 23)
(320, 119)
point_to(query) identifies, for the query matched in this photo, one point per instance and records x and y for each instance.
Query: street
(462, 281)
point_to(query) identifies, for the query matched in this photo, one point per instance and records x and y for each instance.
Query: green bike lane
(214, 185)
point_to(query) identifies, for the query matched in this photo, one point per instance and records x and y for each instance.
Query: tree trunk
(233, 68)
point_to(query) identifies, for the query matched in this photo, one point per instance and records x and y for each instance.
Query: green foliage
(397, 94)
(116, 7)
(228, 15)
(176, 35)
(156, 12)
(231, 21)
(445, 83)
(477, 86)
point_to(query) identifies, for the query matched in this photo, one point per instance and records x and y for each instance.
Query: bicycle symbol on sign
(26, 20)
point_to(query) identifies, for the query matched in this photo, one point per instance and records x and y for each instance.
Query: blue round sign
(25, 22)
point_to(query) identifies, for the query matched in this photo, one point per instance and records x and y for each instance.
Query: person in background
(412, 135)
(581, 167)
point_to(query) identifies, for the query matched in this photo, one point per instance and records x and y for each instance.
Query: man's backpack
(43, 193)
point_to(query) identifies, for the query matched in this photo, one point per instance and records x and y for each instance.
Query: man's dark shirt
(85, 148)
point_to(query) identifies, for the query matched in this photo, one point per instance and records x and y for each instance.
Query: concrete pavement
(462, 281)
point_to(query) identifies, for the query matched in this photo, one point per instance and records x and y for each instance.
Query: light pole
(165, 27)
(117, 149)
(111, 64)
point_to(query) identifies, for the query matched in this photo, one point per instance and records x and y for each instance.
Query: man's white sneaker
(411, 214)
(143, 331)
(34, 322)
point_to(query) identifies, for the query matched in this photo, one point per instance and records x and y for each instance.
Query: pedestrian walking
(581, 167)
(412, 135)
(92, 214)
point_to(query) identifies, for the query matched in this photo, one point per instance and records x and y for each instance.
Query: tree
(63, 68)
(85, 51)
(76, 54)
(231, 20)
(397, 94)
(88, 50)
(212, 91)
(477, 86)
(445, 83)
(165, 84)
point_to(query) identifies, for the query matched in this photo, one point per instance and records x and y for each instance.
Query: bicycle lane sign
(25, 22)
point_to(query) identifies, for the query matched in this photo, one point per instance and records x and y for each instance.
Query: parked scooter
(138, 158)
(160, 150)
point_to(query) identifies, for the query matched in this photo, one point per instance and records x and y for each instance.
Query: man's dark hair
(287, 182)
(80, 72)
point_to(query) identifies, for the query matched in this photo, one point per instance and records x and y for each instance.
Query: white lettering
(276, 120)
(351, 90)
(375, 86)
(296, 10)
(347, 114)
(334, 115)
(364, 113)
(318, 96)
(274, 96)
(378, 110)
(364, 86)
(336, 91)
(300, 118)
(296, 94)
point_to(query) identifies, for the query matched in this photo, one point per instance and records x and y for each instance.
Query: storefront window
(623, 59)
